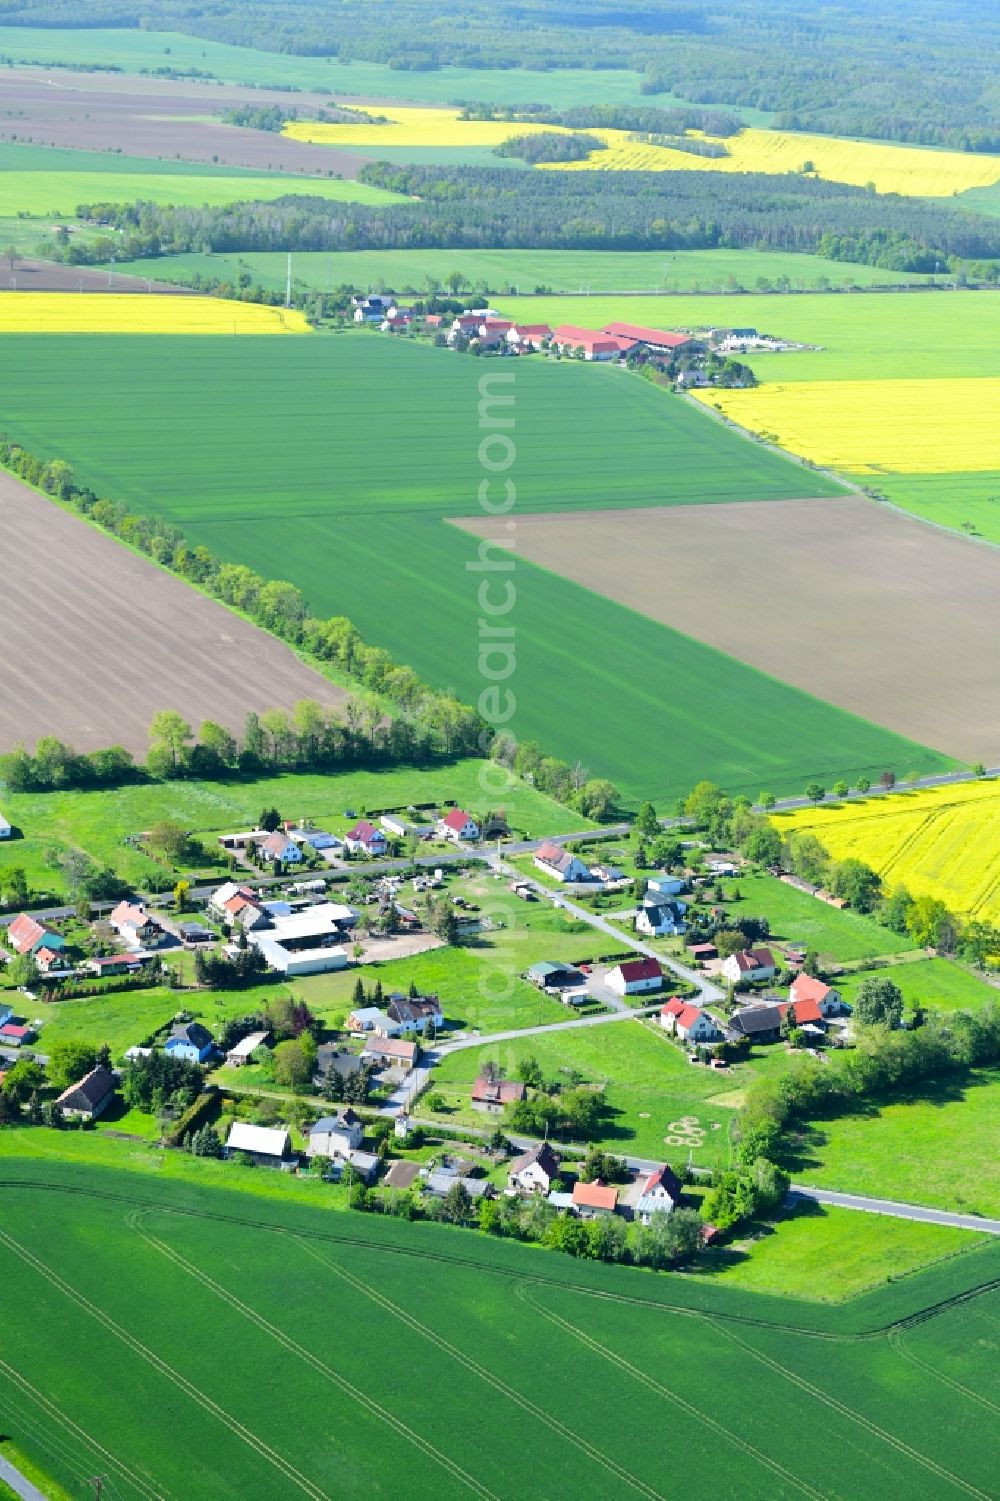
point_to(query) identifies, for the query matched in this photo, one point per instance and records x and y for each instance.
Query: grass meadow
(795, 917)
(283, 419)
(279, 1286)
(937, 1148)
(933, 985)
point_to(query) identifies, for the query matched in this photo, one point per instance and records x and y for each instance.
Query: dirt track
(159, 118)
(48, 276)
(887, 617)
(95, 639)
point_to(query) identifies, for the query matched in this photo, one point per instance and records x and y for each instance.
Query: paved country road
(895, 1210)
(18, 1483)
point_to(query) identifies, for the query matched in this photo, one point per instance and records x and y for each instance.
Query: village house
(490, 1096)
(278, 847)
(52, 961)
(136, 928)
(807, 988)
(244, 1050)
(661, 1193)
(806, 1016)
(365, 839)
(690, 1023)
(27, 936)
(90, 1097)
(661, 918)
(415, 1014)
(524, 337)
(391, 1052)
(374, 308)
(221, 898)
(458, 826)
(370, 1019)
(756, 1023)
(749, 967)
(336, 1135)
(635, 976)
(534, 1171)
(591, 1199)
(191, 1042)
(560, 863)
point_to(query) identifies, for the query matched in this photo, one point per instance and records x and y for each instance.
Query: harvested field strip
(141, 313)
(865, 427)
(931, 602)
(64, 626)
(942, 842)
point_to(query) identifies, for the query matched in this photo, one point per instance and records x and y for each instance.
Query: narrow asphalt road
(894, 1210)
(18, 1483)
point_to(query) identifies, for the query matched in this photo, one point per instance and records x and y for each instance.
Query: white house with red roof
(568, 338)
(136, 928)
(634, 976)
(664, 341)
(590, 1199)
(690, 1023)
(749, 966)
(808, 988)
(28, 936)
(804, 1014)
(525, 336)
(458, 826)
(365, 839)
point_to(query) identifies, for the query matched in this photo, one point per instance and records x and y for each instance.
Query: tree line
(460, 207)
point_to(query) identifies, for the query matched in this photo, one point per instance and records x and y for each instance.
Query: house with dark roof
(336, 1135)
(491, 1096)
(535, 1170)
(661, 916)
(191, 1042)
(635, 976)
(758, 1023)
(89, 1097)
(661, 1193)
(415, 1013)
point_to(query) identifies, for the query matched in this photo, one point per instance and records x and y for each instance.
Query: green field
(934, 984)
(949, 499)
(292, 422)
(523, 270)
(796, 917)
(938, 1149)
(97, 822)
(518, 1340)
(891, 335)
(39, 180)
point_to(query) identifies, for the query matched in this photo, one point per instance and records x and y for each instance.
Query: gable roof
(750, 959)
(596, 1195)
(542, 1154)
(756, 1019)
(597, 343)
(498, 1091)
(808, 988)
(644, 335)
(457, 819)
(363, 832)
(191, 1032)
(640, 969)
(803, 1011)
(88, 1092)
(273, 1141)
(392, 1047)
(688, 1015)
(341, 1120)
(24, 932)
(277, 843)
(666, 1179)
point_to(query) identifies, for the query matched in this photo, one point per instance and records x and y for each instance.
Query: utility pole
(288, 282)
(97, 1481)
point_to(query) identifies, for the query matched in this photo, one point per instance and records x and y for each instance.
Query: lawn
(937, 1149)
(828, 1254)
(122, 1019)
(934, 985)
(795, 917)
(99, 821)
(649, 1082)
(523, 270)
(42, 180)
(257, 424)
(564, 1339)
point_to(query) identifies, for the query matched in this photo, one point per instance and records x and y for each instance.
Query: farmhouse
(535, 1170)
(749, 966)
(391, 1052)
(661, 918)
(136, 928)
(524, 337)
(27, 936)
(568, 338)
(660, 340)
(365, 839)
(268, 1146)
(245, 1049)
(191, 1042)
(458, 826)
(373, 309)
(661, 1193)
(336, 1135)
(590, 1199)
(556, 861)
(90, 1097)
(806, 988)
(635, 976)
(690, 1023)
(491, 1095)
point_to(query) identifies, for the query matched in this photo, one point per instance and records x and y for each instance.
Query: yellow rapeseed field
(913, 171)
(140, 313)
(871, 427)
(910, 170)
(942, 842)
(414, 127)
